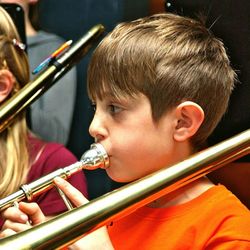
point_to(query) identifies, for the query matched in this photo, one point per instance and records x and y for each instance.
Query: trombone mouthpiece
(95, 157)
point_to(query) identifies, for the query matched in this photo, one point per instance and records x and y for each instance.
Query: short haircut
(168, 58)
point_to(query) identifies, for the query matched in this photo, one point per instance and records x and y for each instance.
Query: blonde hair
(168, 58)
(14, 155)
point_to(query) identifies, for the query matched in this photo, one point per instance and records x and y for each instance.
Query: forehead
(103, 81)
(111, 94)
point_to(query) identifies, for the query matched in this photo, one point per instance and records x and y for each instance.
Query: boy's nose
(97, 129)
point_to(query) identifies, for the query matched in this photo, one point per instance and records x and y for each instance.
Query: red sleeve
(55, 156)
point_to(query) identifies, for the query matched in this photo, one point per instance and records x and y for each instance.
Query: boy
(159, 86)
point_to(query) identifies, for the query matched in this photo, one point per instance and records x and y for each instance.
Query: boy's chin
(118, 177)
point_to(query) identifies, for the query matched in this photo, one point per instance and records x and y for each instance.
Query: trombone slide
(35, 88)
(66, 228)
(95, 157)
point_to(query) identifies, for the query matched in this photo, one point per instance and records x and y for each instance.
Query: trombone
(95, 157)
(35, 88)
(66, 228)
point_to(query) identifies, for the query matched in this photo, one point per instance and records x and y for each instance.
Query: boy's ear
(6, 83)
(189, 119)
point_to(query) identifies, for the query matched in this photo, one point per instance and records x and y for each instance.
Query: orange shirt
(215, 220)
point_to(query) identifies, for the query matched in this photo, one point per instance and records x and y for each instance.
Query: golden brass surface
(95, 157)
(64, 229)
(32, 90)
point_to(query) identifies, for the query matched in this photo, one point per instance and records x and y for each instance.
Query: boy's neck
(183, 194)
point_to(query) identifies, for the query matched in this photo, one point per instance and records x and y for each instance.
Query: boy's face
(136, 145)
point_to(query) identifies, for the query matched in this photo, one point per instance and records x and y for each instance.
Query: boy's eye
(114, 109)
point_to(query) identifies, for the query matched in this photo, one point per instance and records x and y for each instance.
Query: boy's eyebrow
(109, 94)
(104, 95)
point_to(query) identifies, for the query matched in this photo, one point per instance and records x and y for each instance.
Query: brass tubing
(66, 228)
(95, 157)
(35, 88)
(24, 97)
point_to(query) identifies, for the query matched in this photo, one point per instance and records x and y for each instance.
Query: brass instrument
(92, 159)
(66, 228)
(32, 90)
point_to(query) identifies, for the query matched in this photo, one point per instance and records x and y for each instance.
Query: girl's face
(136, 145)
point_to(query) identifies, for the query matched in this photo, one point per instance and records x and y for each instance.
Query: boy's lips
(109, 156)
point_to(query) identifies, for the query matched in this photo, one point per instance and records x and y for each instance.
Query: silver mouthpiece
(95, 157)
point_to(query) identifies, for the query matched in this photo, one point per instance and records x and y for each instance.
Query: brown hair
(168, 58)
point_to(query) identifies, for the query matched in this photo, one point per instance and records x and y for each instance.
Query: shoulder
(58, 153)
(43, 42)
(50, 157)
(223, 203)
(44, 38)
(235, 176)
(41, 45)
(232, 232)
(229, 219)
